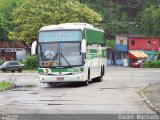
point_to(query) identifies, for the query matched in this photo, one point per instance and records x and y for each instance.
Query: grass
(4, 85)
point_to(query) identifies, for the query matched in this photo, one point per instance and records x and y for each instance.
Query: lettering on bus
(74, 69)
(60, 35)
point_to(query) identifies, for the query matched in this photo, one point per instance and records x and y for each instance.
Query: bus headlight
(80, 77)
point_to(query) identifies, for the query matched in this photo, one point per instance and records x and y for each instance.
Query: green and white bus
(71, 52)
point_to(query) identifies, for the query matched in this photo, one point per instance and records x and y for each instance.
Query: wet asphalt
(116, 94)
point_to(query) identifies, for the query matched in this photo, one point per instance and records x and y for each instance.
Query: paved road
(116, 94)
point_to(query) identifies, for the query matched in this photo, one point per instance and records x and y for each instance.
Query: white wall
(118, 38)
(21, 55)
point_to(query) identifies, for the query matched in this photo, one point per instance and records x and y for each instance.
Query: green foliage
(31, 63)
(114, 20)
(147, 64)
(6, 9)
(3, 28)
(21, 19)
(4, 85)
(157, 64)
(152, 64)
(121, 16)
(158, 57)
(34, 14)
(111, 43)
(150, 21)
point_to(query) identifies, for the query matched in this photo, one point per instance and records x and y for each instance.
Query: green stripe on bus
(93, 50)
(76, 69)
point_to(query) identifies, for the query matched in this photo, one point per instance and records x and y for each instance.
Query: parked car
(12, 66)
(138, 64)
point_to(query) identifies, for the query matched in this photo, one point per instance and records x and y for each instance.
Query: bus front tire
(100, 78)
(85, 83)
(51, 84)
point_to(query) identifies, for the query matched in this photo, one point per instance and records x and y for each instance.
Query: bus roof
(69, 26)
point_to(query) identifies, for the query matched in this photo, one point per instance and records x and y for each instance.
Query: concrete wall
(119, 38)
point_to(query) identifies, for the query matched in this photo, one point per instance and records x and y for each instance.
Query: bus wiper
(60, 54)
(65, 58)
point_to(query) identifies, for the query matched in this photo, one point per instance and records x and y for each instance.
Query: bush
(152, 64)
(31, 62)
(147, 64)
(157, 64)
(158, 57)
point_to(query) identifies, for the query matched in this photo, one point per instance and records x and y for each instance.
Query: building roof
(12, 45)
(132, 35)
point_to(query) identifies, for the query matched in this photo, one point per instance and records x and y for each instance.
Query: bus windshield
(61, 54)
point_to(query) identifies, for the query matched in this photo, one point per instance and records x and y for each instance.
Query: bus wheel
(103, 70)
(51, 84)
(85, 83)
(99, 79)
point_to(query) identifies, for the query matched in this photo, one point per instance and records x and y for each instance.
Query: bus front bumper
(62, 78)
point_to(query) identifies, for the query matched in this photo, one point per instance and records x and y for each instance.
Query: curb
(148, 102)
(9, 88)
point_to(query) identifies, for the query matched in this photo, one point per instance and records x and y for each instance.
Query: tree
(34, 14)
(3, 28)
(6, 8)
(114, 19)
(150, 21)
(120, 16)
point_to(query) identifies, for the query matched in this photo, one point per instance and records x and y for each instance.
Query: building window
(121, 42)
(149, 42)
(133, 42)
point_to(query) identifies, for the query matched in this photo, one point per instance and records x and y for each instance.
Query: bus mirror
(83, 46)
(33, 48)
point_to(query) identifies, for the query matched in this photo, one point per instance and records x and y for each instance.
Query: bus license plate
(60, 78)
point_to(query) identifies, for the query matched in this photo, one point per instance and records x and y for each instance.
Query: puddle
(56, 104)
(119, 88)
(58, 100)
(33, 93)
(54, 95)
(20, 90)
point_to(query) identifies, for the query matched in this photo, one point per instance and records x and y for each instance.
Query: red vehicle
(138, 64)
